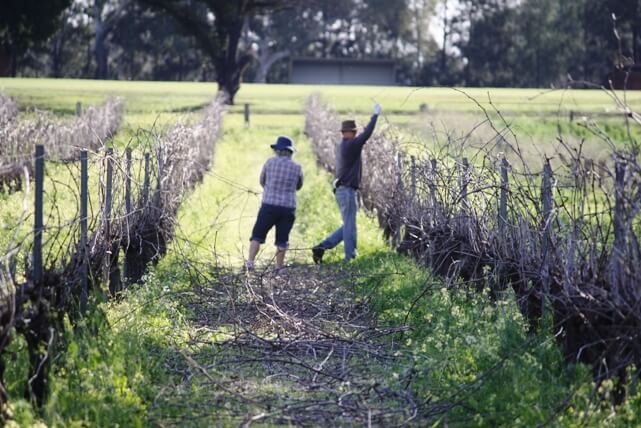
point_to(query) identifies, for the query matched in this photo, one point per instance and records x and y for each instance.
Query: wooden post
(38, 215)
(465, 173)
(413, 177)
(573, 238)
(160, 168)
(246, 115)
(399, 170)
(145, 188)
(434, 170)
(78, 109)
(128, 184)
(84, 202)
(399, 192)
(503, 198)
(546, 200)
(618, 248)
(159, 175)
(128, 208)
(107, 214)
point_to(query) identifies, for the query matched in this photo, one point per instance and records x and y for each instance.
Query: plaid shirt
(281, 177)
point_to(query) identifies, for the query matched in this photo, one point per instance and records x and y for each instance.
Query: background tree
(355, 29)
(105, 14)
(149, 45)
(517, 43)
(217, 27)
(491, 46)
(628, 26)
(539, 43)
(24, 23)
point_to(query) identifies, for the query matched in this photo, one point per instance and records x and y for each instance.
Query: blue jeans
(348, 204)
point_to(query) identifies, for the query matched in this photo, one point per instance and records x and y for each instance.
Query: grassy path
(219, 216)
(208, 346)
(199, 344)
(296, 347)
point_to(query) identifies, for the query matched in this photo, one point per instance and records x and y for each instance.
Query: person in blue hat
(281, 178)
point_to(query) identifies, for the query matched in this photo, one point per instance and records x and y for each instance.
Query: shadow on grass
(288, 347)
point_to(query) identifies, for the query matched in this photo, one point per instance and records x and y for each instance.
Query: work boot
(317, 254)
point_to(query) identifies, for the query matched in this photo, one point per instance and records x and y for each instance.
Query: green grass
(535, 115)
(475, 353)
(61, 96)
(468, 349)
(61, 200)
(405, 100)
(148, 107)
(146, 103)
(221, 212)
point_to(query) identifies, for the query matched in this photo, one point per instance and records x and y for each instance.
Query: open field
(146, 97)
(407, 100)
(146, 103)
(535, 116)
(200, 345)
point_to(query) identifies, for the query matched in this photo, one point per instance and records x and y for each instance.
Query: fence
(72, 256)
(564, 239)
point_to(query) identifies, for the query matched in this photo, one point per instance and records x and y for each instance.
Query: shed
(626, 77)
(325, 71)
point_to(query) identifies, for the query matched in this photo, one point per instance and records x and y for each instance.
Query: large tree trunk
(220, 40)
(104, 26)
(102, 66)
(5, 62)
(636, 54)
(266, 63)
(14, 64)
(100, 49)
(56, 53)
(443, 59)
(229, 68)
(229, 75)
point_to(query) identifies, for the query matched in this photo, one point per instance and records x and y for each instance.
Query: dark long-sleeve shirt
(348, 156)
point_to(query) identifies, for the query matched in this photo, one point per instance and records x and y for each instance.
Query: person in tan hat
(348, 178)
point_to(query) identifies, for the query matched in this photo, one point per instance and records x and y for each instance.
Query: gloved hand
(377, 109)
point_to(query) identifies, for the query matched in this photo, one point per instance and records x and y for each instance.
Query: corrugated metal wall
(342, 73)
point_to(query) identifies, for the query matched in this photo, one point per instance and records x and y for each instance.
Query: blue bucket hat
(283, 143)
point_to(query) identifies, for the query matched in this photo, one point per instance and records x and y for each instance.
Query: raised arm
(362, 138)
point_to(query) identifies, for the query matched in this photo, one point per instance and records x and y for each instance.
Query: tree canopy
(217, 28)
(24, 23)
(526, 43)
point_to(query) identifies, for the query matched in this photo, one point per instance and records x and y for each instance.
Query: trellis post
(38, 226)
(107, 214)
(503, 196)
(84, 199)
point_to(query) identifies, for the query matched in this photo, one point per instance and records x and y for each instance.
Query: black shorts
(273, 215)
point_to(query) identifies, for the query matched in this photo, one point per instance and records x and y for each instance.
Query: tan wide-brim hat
(348, 125)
